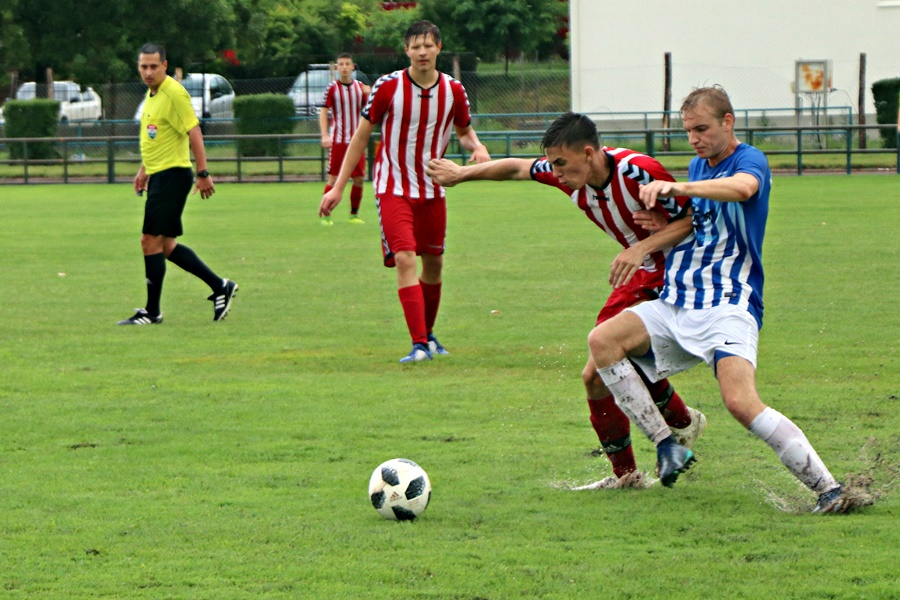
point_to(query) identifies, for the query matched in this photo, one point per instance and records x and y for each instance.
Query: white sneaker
(687, 436)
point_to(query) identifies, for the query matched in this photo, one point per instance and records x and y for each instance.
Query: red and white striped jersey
(346, 101)
(416, 125)
(611, 207)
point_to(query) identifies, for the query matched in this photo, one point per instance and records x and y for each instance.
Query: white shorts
(680, 337)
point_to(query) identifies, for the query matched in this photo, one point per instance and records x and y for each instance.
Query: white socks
(632, 396)
(793, 449)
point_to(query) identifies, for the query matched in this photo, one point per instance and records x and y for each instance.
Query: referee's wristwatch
(204, 173)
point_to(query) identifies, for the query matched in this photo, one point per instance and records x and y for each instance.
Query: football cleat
(688, 435)
(326, 221)
(419, 353)
(142, 317)
(434, 346)
(672, 459)
(222, 300)
(355, 220)
(834, 501)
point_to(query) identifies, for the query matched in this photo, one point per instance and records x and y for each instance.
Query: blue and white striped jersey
(721, 262)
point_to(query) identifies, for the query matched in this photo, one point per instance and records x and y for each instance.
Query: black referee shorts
(167, 193)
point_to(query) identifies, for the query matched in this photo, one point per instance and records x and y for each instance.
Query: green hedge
(31, 119)
(886, 94)
(263, 114)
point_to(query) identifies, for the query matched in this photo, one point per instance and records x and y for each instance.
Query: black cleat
(672, 459)
(222, 300)
(142, 317)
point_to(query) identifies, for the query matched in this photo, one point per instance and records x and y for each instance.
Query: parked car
(211, 95)
(76, 103)
(308, 89)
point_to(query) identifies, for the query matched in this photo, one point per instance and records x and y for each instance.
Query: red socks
(613, 429)
(356, 194)
(413, 304)
(431, 293)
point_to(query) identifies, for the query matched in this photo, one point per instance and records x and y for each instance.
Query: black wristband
(203, 173)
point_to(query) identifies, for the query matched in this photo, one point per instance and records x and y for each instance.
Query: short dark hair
(422, 28)
(572, 130)
(153, 48)
(345, 55)
(714, 98)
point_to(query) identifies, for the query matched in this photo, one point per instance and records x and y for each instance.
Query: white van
(76, 103)
(211, 95)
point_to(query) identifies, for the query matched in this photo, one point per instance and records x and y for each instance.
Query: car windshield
(194, 86)
(312, 79)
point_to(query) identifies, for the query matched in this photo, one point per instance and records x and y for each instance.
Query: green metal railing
(117, 158)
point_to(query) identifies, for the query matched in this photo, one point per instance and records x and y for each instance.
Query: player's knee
(602, 346)
(151, 244)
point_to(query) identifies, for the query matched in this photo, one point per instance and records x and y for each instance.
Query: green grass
(230, 460)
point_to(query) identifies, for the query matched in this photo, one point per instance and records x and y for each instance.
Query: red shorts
(643, 286)
(411, 224)
(336, 158)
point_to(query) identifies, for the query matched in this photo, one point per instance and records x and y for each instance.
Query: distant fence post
(110, 162)
(861, 103)
(667, 100)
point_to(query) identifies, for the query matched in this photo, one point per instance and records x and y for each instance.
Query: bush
(885, 92)
(31, 119)
(263, 114)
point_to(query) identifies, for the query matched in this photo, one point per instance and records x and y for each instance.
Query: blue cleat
(672, 459)
(434, 346)
(419, 353)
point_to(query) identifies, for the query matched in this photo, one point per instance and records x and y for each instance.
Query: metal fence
(300, 157)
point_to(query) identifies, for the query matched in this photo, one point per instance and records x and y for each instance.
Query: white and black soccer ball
(399, 489)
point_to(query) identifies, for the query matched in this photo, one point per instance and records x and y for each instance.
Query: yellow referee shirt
(165, 121)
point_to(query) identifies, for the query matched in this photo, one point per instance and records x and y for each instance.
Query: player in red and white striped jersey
(417, 109)
(344, 98)
(604, 184)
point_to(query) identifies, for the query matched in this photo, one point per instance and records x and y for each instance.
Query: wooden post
(667, 101)
(861, 105)
(50, 93)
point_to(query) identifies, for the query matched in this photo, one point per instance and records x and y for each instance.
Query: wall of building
(747, 46)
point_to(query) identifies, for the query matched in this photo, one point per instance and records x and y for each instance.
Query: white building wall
(749, 47)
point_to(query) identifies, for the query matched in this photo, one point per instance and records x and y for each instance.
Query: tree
(351, 24)
(495, 27)
(385, 29)
(81, 44)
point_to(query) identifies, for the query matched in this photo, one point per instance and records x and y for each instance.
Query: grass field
(230, 460)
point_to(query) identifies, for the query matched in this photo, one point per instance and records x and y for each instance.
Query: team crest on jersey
(151, 131)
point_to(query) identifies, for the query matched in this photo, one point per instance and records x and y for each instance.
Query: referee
(169, 133)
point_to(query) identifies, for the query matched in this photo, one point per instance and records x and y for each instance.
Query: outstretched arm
(447, 173)
(736, 188)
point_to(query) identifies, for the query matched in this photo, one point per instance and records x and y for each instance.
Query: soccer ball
(399, 489)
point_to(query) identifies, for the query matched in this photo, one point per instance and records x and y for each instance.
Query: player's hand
(480, 155)
(650, 220)
(205, 186)
(624, 266)
(443, 171)
(140, 183)
(326, 141)
(329, 201)
(656, 189)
